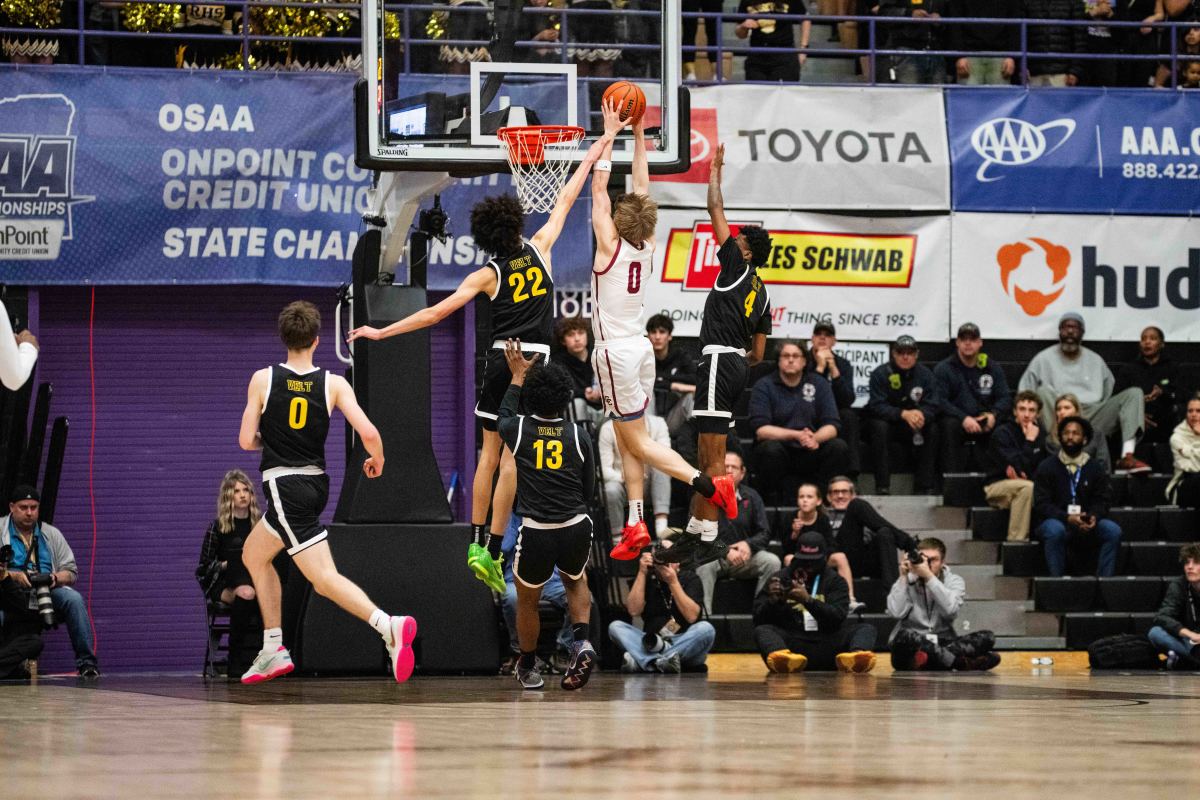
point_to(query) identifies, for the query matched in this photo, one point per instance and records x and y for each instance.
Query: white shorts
(625, 369)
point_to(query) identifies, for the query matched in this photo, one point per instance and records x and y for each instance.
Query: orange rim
(527, 143)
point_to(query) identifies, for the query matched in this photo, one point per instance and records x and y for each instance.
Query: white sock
(272, 639)
(635, 512)
(660, 525)
(382, 622)
(1129, 446)
(709, 534)
(695, 525)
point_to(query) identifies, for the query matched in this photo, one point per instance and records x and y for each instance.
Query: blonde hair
(225, 500)
(1052, 434)
(635, 217)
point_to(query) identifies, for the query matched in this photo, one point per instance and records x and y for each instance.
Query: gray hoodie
(927, 607)
(60, 552)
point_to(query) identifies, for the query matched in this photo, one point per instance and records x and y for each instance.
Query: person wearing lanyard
(1071, 494)
(799, 616)
(1176, 631)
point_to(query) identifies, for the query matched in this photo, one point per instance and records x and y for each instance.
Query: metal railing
(415, 47)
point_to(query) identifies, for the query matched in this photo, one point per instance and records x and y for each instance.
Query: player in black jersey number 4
(556, 475)
(287, 417)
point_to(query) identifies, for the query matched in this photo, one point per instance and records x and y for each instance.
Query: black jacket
(964, 391)
(894, 390)
(977, 37)
(859, 517)
(1179, 608)
(914, 35)
(1144, 376)
(1009, 447)
(829, 613)
(1056, 38)
(751, 524)
(1052, 490)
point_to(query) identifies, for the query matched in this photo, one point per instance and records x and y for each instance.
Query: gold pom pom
(151, 17)
(31, 13)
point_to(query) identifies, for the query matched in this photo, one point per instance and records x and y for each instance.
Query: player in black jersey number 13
(287, 417)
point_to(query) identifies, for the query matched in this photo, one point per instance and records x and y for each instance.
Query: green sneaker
(480, 561)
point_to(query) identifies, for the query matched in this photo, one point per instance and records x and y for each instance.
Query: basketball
(629, 99)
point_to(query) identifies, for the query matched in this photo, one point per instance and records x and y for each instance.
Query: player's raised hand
(365, 332)
(719, 158)
(518, 364)
(613, 124)
(373, 467)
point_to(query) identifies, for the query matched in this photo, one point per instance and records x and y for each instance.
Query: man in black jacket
(1158, 378)
(1017, 448)
(1176, 631)
(869, 540)
(799, 616)
(903, 408)
(971, 38)
(840, 374)
(1071, 494)
(1063, 40)
(918, 37)
(973, 396)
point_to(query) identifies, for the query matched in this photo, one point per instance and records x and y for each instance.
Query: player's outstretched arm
(480, 281)
(344, 400)
(641, 165)
(545, 238)
(248, 438)
(602, 223)
(716, 203)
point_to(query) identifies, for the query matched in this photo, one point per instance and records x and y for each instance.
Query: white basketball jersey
(617, 292)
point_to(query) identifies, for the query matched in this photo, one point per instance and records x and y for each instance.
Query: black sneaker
(89, 673)
(690, 547)
(528, 678)
(583, 659)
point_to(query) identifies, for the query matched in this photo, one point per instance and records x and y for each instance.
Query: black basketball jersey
(523, 305)
(552, 456)
(738, 306)
(295, 419)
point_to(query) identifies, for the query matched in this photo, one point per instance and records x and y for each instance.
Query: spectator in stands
(592, 38)
(1176, 631)
(1017, 448)
(206, 20)
(1048, 38)
(469, 21)
(764, 31)
(868, 539)
(20, 631)
(971, 38)
(658, 484)
(712, 33)
(1071, 495)
(972, 395)
(18, 353)
(553, 593)
(1067, 405)
(1187, 45)
(571, 336)
(840, 374)
(1184, 488)
(799, 617)
(1138, 41)
(917, 37)
(1071, 367)
(540, 28)
(810, 516)
(795, 421)
(747, 537)
(673, 637)
(1189, 74)
(1154, 375)
(903, 409)
(1100, 40)
(926, 599)
(40, 548)
(674, 372)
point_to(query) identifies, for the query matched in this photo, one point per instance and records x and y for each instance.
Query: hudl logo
(1013, 142)
(37, 175)
(1050, 268)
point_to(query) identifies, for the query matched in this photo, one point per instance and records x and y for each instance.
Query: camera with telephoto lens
(41, 583)
(915, 556)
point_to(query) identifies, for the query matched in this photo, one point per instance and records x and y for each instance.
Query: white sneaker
(856, 606)
(629, 665)
(268, 665)
(404, 630)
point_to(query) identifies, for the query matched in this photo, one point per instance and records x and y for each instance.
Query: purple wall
(171, 368)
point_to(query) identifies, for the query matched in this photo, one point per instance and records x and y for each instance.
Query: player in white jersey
(623, 358)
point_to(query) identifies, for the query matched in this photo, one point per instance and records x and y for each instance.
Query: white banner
(874, 278)
(1014, 274)
(802, 147)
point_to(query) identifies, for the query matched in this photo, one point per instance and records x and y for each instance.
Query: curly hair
(548, 390)
(299, 324)
(759, 242)
(635, 217)
(569, 325)
(497, 224)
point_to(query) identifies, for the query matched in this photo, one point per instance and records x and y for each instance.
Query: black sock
(704, 485)
(526, 660)
(580, 631)
(477, 532)
(492, 542)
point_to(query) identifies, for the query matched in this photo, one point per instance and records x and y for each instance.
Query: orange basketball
(629, 99)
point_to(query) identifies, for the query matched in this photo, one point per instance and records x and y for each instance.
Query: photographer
(673, 637)
(39, 549)
(18, 353)
(21, 634)
(799, 616)
(926, 599)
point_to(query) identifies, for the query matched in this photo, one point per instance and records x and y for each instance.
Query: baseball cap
(24, 492)
(810, 548)
(1072, 316)
(824, 326)
(905, 342)
(968, 330)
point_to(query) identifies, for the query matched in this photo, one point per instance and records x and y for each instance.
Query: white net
(538, 158)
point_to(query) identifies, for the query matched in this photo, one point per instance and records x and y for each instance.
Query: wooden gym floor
(1021, 731)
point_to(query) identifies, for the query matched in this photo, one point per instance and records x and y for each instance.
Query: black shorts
(540, 550)
(496, 378)
(720, 380)
(294, 506)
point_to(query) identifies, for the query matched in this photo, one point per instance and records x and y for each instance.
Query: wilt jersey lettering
(739, 306)
(523, 305)
(295, 419)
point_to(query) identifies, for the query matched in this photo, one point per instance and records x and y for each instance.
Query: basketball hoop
(537, 178)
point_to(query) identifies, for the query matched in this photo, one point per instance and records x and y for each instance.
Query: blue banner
(172, 177)
(1078, 150)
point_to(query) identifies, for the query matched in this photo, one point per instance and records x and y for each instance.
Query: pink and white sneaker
(404, 630)
(268, 665)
